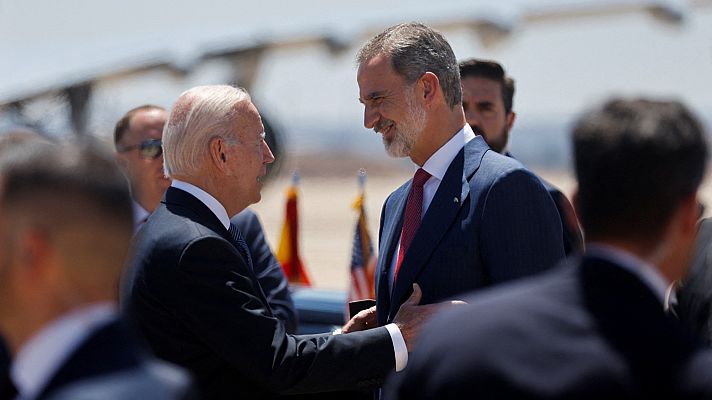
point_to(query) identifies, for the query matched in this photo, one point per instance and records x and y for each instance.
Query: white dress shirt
(648, 274)
(399, 348)
(140, 215)
(41, 356)
(436, 166)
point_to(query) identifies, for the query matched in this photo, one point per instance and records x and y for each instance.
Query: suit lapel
(186, 205)
(452, 193)
(391, 234)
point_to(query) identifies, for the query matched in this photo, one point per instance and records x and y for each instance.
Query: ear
(35, 256)
(510, 120)
(430, 85)
(218, 148)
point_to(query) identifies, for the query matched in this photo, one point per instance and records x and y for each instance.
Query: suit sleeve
(269, 273)
(521, 230)
(224, 311)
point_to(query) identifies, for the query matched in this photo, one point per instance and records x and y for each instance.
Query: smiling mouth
(384, 128)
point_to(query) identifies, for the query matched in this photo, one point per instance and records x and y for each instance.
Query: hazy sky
(561, 63)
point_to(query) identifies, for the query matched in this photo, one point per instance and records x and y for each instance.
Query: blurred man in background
(487, 99)
(595, 328)
(137, 138)
(65, 226)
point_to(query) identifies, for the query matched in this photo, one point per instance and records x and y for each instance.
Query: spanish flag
(363, 259)
(288, 250)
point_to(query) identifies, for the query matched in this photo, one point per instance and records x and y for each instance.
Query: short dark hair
(415, 49)
(123, 124)
(636, 160)
(69, 180)
(491, 70)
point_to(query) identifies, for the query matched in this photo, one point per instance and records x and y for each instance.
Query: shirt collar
(646, 272)
(440, 161)
(206, 198)
(139, 215)
(42, 355)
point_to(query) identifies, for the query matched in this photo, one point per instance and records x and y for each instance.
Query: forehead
(147, 124)
(248, 122)
(377, 75)
(476, 86)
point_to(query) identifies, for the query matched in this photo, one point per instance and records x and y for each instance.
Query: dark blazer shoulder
(111, 362)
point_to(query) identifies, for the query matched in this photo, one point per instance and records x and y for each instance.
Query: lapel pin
(455, 200)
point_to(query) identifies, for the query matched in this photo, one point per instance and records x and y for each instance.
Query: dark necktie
(239, 241)
(413, 212)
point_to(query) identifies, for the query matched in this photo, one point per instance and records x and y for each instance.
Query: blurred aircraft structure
(60, 58)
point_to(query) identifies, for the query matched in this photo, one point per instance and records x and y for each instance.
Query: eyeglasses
(147, 149)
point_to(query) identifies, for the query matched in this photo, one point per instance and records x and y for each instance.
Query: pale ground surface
(327, 220)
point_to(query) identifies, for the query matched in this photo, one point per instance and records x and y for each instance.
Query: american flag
(363, 260)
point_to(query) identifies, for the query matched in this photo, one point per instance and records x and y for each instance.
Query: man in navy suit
(192, 291)
(65, 227)
(137, 138)
(483, 218)
(487, 99)
(594, 328)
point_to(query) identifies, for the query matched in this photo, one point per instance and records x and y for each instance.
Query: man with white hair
(191, 289)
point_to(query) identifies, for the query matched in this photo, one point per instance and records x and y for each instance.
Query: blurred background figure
(694, 295)
(487, 99)
(65, 226)
(139, 153)
(12, 141)
(595, 327)
(137, 138)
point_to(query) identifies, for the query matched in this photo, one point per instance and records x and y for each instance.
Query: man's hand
(411, 317)
(365, 319)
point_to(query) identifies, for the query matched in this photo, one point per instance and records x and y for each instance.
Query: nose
(267, 155)
(472, 117)
(370, 117)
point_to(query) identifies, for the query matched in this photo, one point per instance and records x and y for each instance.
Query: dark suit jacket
(199, 305)
(269, 273)
(694, 296)
(573, 236)
(110, 365)
(490, 221)
(588, 330)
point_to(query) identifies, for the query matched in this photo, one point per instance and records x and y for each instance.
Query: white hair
(199, 115)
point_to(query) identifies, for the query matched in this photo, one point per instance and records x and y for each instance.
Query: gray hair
(199, 115)
(415, 49)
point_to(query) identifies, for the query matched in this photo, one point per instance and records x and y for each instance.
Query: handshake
(410, 318)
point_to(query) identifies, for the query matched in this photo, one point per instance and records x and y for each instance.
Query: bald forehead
(148, 117)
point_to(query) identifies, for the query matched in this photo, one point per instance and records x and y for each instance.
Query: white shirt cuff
(399, 348)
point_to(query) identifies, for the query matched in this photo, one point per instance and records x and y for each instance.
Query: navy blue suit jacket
(269, 273)
(192, 295)
(110, 364)
(587, 330)
(491, 221)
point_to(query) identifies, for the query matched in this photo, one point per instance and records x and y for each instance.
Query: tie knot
(421, 176)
